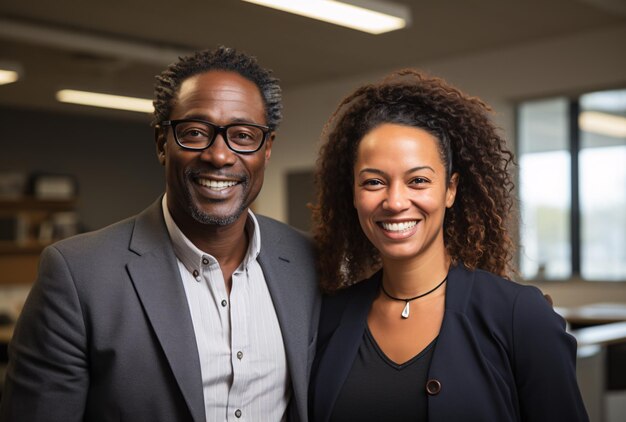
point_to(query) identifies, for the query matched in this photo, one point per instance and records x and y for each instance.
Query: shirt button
(240, 355)
(224, 303)
(195, 273)
(205, 261)
(238, 413)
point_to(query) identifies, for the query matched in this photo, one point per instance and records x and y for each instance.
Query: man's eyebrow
(235, 120)
(240, 120)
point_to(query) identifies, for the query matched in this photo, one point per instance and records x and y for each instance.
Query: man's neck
(227, 244)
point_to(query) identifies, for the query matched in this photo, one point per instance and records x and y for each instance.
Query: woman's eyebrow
(382, 173)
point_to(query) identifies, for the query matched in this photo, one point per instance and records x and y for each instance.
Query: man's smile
(216, 184)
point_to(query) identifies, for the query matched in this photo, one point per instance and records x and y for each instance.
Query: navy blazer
(502, 353)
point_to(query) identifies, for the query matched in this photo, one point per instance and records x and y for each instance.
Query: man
(195, 309)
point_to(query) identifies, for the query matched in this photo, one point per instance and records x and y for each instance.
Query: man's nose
(218, 154)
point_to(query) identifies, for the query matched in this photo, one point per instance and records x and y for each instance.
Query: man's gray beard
(204, 218)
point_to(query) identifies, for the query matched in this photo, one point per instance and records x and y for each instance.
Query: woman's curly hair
(475, 227)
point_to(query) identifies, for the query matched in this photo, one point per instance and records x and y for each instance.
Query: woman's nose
(397, 199)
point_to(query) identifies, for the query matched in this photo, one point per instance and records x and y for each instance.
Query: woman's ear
(451, 192)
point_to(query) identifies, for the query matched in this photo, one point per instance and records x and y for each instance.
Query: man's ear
(160, 138)
(268, 146)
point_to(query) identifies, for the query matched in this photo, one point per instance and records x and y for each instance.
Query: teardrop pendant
(406, 311)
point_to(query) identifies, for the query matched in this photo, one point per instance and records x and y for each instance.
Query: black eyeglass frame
(217, 131)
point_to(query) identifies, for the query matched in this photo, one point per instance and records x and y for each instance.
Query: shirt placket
(240, 349)
(218, 294)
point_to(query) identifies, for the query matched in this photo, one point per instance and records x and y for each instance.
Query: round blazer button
(433, 387)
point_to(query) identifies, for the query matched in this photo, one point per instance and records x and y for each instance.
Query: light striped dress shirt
(240, 345)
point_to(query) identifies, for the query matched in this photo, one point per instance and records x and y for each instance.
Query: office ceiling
(118, 46)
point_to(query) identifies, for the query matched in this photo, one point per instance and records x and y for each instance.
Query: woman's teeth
(399, 227)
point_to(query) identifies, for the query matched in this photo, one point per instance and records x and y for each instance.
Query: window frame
(574, 149)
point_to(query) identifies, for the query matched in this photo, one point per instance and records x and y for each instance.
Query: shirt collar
(191, 256)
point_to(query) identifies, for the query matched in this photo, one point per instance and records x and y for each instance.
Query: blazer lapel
(465, 377)
(294, 323)
(342, 348)
(157, 281)
(292, 283)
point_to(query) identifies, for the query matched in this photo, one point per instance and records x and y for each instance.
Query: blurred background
(553, 71)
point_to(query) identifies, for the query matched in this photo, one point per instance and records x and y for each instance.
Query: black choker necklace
(406, 311)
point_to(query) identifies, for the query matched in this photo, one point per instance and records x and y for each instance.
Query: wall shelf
(31, 224)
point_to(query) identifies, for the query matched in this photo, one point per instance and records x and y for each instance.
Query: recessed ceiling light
(95, 99)
(8, 76)
(372, 16)
(10, 72)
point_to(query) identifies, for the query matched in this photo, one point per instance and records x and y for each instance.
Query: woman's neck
(409, 278)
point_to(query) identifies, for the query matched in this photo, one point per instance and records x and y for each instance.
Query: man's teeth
(398, 227)
(214, 184)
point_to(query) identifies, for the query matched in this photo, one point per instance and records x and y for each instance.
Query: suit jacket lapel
(157, 281)
(464, 377)
(342, 348)
(280, 268)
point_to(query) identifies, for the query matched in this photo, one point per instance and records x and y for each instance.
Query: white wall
(569, 65)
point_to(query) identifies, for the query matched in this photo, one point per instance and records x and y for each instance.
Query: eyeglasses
(198, 135)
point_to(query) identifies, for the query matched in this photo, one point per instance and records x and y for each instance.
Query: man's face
(214, 186)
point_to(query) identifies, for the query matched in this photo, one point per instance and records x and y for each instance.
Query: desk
(601, 335)
(600, 363)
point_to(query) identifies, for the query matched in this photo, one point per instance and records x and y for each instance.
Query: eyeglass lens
(198, 135)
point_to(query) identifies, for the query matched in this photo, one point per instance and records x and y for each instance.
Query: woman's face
(401, 192)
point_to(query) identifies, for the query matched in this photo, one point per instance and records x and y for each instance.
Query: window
(572, 181)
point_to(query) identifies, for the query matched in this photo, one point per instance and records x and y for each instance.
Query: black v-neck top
(378, 389)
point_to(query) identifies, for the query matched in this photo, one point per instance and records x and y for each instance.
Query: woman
(414, 198)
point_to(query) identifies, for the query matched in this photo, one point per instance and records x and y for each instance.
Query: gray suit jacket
(106, 334)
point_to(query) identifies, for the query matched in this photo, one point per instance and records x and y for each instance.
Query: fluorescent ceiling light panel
(95, 99)
(603, 124)
(372, 16)
(8, 76)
